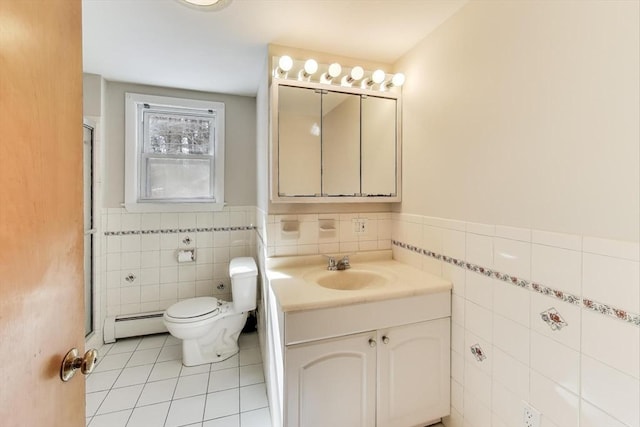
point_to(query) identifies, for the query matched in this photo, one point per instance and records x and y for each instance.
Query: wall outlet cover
(530, 415)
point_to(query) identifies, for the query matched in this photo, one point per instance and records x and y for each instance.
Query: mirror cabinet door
(340, 144)
(379, 139)
(299, 144)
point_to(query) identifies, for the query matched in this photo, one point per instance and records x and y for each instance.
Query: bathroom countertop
(294, 292)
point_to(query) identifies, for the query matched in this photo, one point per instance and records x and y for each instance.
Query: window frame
(135, 155)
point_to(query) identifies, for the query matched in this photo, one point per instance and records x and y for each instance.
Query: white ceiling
(165, 43)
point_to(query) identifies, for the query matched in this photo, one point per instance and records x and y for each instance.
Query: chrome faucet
(333, 265)
(343, 264)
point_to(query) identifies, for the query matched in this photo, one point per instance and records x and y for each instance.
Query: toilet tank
(244, 283)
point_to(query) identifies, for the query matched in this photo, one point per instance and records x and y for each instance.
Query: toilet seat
(193, 310)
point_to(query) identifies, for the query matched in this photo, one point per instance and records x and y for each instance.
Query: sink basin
(349, 280)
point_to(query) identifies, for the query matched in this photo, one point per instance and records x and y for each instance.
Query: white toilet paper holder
(186, 255)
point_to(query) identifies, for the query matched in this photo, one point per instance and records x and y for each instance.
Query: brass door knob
(72, 362)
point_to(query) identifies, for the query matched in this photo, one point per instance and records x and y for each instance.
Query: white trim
(132, 171)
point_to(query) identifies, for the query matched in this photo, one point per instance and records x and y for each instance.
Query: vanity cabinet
(386, 378)
(334, 145)
(377, 364)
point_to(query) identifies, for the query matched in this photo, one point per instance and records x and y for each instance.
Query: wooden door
(41, 296)
(413, 374)
(331, 383)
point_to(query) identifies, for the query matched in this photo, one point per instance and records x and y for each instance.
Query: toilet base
(219, 344)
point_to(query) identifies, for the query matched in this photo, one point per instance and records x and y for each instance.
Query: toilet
(208, 327)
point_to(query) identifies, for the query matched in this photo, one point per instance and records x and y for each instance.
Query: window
(174, 156)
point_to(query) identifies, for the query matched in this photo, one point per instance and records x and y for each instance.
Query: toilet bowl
(208, 327)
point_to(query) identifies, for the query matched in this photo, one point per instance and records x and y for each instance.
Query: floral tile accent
(477, 352)
(569, 298)
(179, 230)
(552, 318)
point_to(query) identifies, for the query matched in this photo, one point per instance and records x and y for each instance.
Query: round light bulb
(357, 73)
(334, 70)
(378, 76)
(310, 66)
(285, 63)
(397, 79)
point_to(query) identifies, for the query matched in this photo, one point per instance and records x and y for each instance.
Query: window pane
(168, 133)
(178, 178)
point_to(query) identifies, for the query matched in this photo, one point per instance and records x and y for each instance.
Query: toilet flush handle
(72, 362)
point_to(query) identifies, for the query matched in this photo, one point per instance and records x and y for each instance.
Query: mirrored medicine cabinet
(334, 144)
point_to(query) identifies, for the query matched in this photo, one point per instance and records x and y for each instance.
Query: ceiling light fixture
(207, 4)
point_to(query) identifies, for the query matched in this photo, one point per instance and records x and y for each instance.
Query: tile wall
(547, 318)
(311, 234)
(140, 268)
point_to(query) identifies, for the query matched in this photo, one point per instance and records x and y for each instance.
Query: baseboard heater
(133, 325)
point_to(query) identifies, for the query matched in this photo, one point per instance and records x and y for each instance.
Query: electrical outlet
(359, 225)
(530, 416)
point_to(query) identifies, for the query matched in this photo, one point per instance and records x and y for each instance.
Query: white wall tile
(485, 364)
(611, 341)
(513, 233)
(479, 289)
(457, 309)
(478, 320)
(612, 248)
(511, 337)
(432, 238)
(512, 257)
(478, 383)
(611, 390)
(511, 302)
(556, 362)
(558, 240)
(475, 413)
(457, 395)
(506, 405)
(169, 220)
(554, 402)
(457, 367)
(454, 243)
(457, 338)
(611, 281)
(590, 416)
(511, 373)
(557, 268)
(479, 228)
(479, 250)
(569, 335)
(456, 275)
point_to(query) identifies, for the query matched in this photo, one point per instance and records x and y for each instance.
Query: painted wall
(240, 141)
(526, 114)
(521, 186)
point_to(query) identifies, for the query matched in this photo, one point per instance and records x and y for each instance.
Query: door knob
(385, 339)
(372, 342)
(72, 362)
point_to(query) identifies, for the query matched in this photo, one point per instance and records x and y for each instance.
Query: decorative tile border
(178, 230)
(598, 307)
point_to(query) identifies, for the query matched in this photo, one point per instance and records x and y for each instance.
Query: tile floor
(140, 382)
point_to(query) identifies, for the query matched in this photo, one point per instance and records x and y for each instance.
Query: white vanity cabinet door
(331, 382)
(413, 373)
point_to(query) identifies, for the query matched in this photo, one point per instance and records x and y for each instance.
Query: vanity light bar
(335, 74)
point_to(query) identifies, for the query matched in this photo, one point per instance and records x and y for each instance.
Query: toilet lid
(193, 307)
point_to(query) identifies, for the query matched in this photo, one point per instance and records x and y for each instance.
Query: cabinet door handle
(372, 342)
(385, 339)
